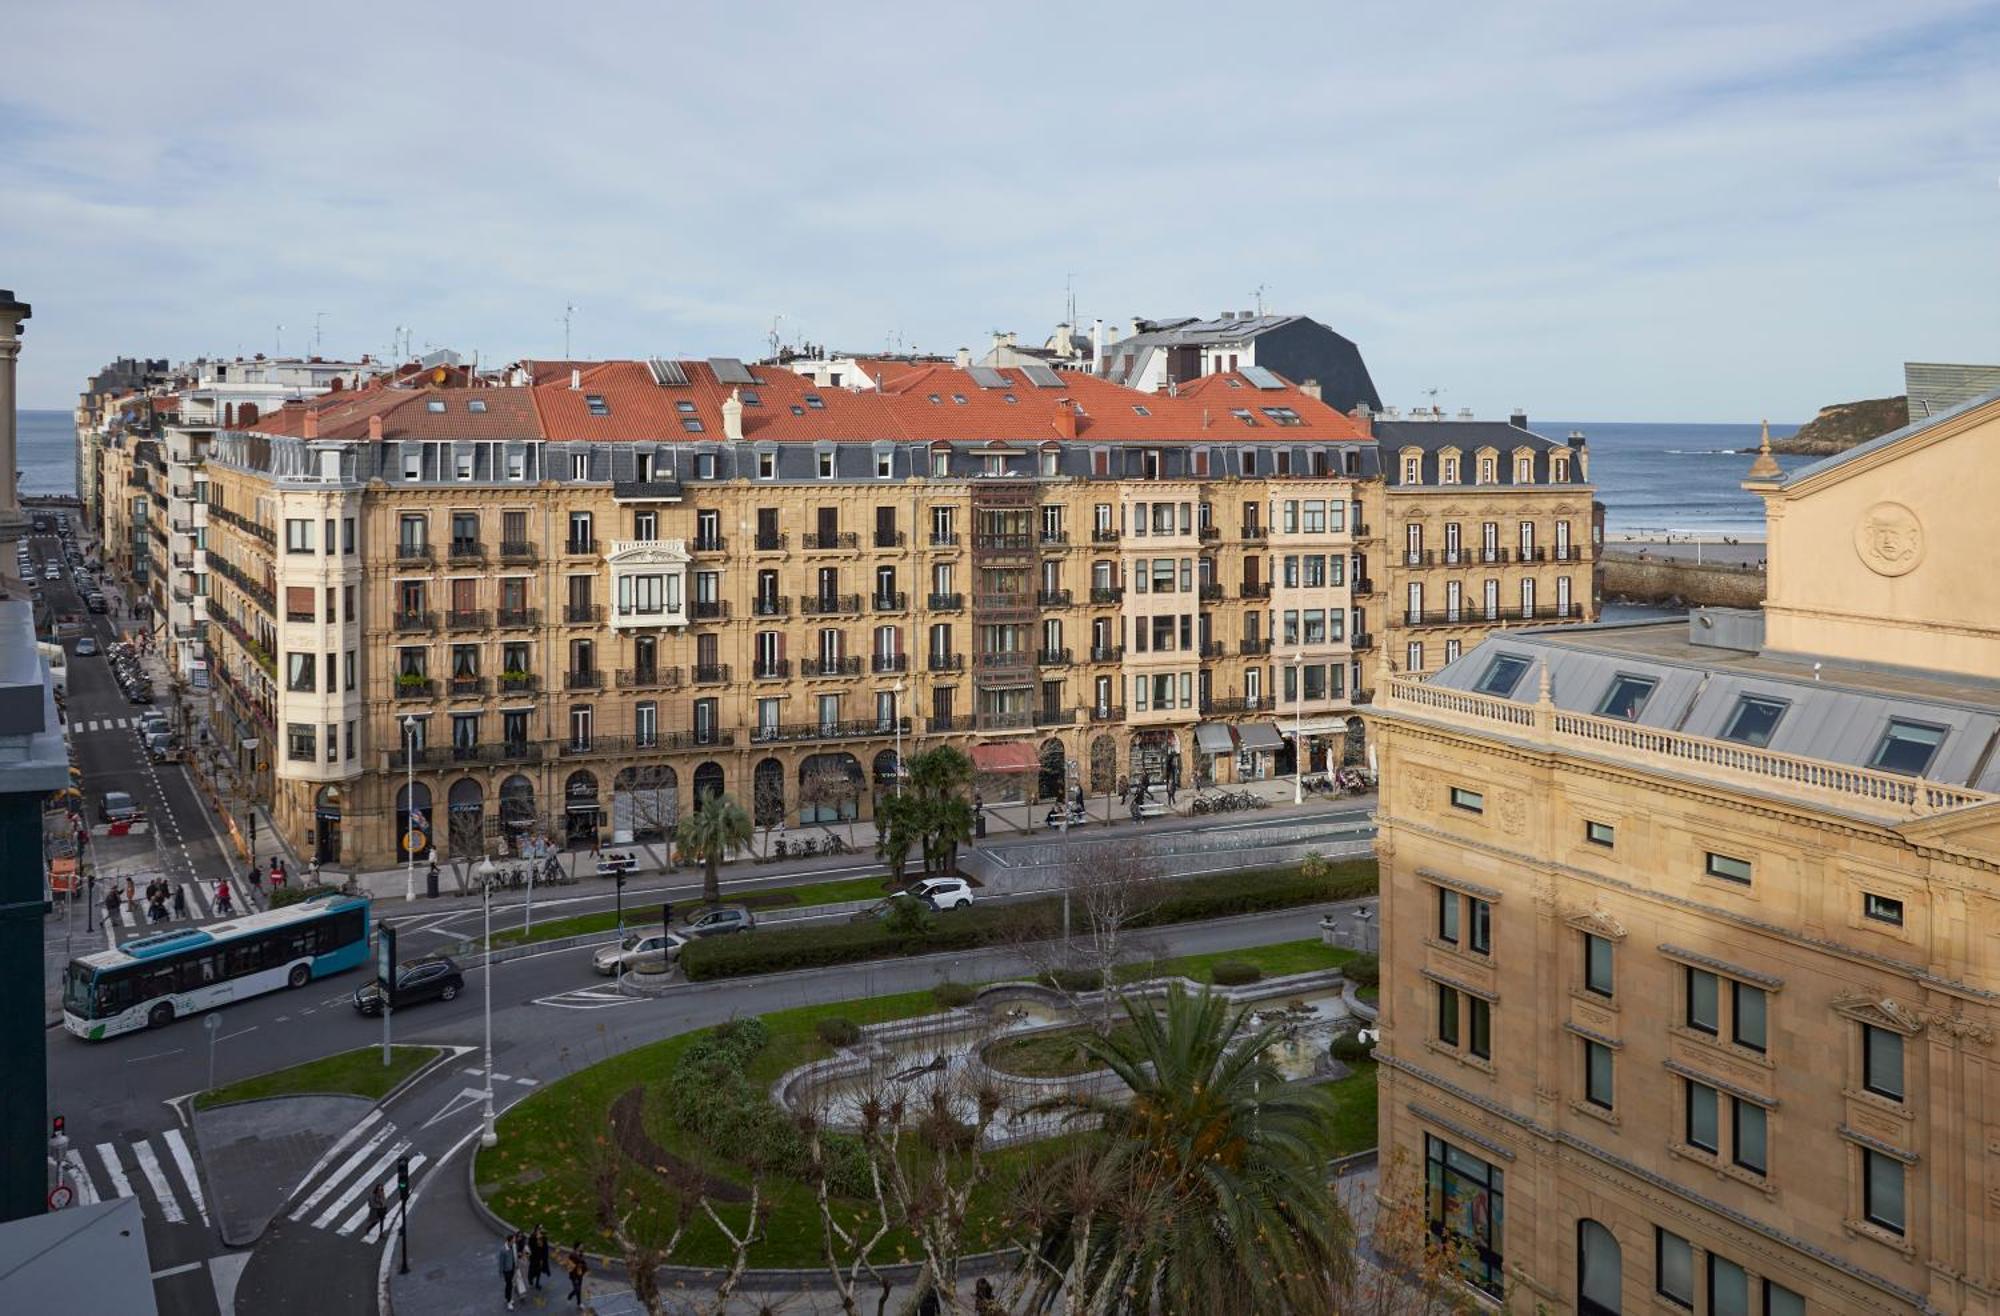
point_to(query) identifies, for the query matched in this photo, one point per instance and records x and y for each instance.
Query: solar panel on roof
(1041, 376)
(987, 377)
(729, 370)
(1261, 377)
(667, 372)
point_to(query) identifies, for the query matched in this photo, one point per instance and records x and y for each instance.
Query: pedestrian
(131, 892)
(538, 1256)
(111, 904)
(222, 897)
(378, 1209)
(507, 1270)
(577, 1268)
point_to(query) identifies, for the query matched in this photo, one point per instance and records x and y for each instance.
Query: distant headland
(1845, 425)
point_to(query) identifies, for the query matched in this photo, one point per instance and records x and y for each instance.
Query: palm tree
(939, 779)
(717, 826)
(898, 825)
(1207, 1191)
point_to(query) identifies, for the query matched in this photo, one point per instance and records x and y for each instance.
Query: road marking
(170, 1206)
(373, 1174)
(86, 1191)
(361, 1212)
(340, 1144)
(466, 1097)
(241, 1032)
(178, 1146)
(333, 1180)
(178, 1270)
(157, 1055)
(527, 1082)
(503, 1078)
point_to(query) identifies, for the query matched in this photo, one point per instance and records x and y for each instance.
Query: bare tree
(832, 787)
(1108, 896)
(647, 1243)
(1412, 1271)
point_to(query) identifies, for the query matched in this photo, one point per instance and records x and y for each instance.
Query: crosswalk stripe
(360, 1185)
(86, 1191)
(126, 916)
(170, 1206)
(333, 1180)
(178, 1146)
(197, 899)
(109, 1155)
(361, 1212)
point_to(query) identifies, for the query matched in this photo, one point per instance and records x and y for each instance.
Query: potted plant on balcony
(514, 678)
(410, 681)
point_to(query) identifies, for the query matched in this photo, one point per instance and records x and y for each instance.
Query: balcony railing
(516, 618)
(1256, 589)
(771, 669)
(889, 539)
(471, 620)
(1107, 713)
(590, 680)
(771, 543)
(467, 550)
(1055, 717)
(708, 609)
(848, 666)
(416, 622)
(849, 730)
(1364, 585)
(413, 554)
(268, 537)
(575, 547)
(947, 602)
(1211, 649)
(1106, 594)
(1236, 704)
(1364, 640)
(419, 688)
(461, 686)
(889, 662)
(1107, 653)
(649, 678)
(709, 544)
(646, 490)
(950, 723)
(996, 720)
(1055, 539)
(1566, 553)
(1473, 615)
(1104, 535)
(778, 606)
(1002, 602)
(711, 673)
(583, 613)
(1053, 598)
(1254, 648)
(830, 605)
(1256, 532)
(1209, 533)
(899, 601)
(1210, 593)
(659, 741)
(839, 539)
(1005, 543)
(996, 661)
(945, 662)
(519, 683)
(512, 550)
(1052, 657)
(944, 539)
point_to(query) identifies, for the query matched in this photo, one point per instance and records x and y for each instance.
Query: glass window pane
(1597, 1074)
(1749, 1136)
(1703, 1011)
(1448, 1016)
(1754, 720)
(1882, 1061)
(1502, 675)
(1728, 1288)
(1883, 1190)
(1627, 696)
(1448, 916)
(1482, 1028)
(1674, 1268)
(1781, 1301)
(1597, 964)
(1750, 1005)
(1701, 1117)
(1599, 1281)
(1907, 747)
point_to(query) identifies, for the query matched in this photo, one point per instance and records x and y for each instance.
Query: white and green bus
(151, 981)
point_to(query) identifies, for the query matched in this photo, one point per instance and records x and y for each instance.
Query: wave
(1703, 452)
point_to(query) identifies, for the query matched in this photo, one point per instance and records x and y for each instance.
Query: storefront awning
(1005, 756)
(1214, 738)
(1259, 736)
(1315, 726)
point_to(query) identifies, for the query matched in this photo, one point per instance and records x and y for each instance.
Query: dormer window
(435, 405)
(749, 398)
(885, 463)
(1524, 469)
(1448, 469)
(826, 464)
(1558, 467)
(959, 398)
(1413, 468)
(1487, 466)
(413, 462)
(767, 464)
(596, 405)
(1048, 463)
(704, 466)
(940, 463)
(1243, 414)
(995, 464)
(692, 424)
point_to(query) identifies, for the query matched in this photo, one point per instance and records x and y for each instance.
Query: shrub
(1073, 980)
(952, 995)
(1315, 867)
(1363, 971)
(1233, 973)
(292, 895)
(1349, 1047)
(836, 1031)
(907, 917)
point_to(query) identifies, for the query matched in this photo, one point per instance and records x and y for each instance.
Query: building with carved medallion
(1690, 990)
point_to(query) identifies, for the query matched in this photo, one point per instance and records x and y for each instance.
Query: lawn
(1057, 1054)
(1276, 960)
(359, 1072)
(638, 915)
(1354, 1110)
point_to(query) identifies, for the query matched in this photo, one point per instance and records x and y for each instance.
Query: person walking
(577, 1268)
(111, 901)
(538, 1256)
(252, 878)
(131, 891)
(180, 901)
(507, 1270)
(222, 897)
(378, 1209)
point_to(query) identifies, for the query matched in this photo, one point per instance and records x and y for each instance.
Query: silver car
(638, 952)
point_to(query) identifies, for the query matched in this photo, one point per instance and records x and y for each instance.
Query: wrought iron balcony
(709, 544)
(649, 678)
(945, 662)
(1005, 543)
(889, 539)
(461, 686)
(1107, 653)
(1236, 704)
(416, 622)
(515, 618)
(1256, 532)
(590, 680)
(708, 609)
(1256, 589)
(575, 547)
(889, 662)
(1104, 535)
(1107, 713)
(947, 602)
(771, 669)
(1254, 648)
(1106, 594)
(583, 613)
(1052, 657)
(769, 606)
(898, 601)
(944, 539)
(1364, 640)
(1055, 717)
(467, 550)
(830, 605)
(415, 688)
(956, 722)
(519, 683)
(711, 673)
(516, 551)
(771, 543)
(1054, 598)
(839, 539)
(848, 666)
(1209, 532)
(1210, 593)
(412, 554)
(1000, 661)
(472, 620)
(849, 730)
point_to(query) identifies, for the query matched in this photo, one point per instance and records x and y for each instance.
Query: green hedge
(771, 950)
(1233, 973)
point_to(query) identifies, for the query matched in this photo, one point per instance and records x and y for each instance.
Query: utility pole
(569, 309)
(317, 317)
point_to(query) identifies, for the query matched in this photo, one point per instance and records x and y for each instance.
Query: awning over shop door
(1214, 738)
(1005, 756)
(1257, 736)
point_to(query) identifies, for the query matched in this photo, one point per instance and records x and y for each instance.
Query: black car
(436, 977)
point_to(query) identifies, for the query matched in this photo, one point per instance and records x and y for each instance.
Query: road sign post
(403, 1215)
(211, 1026)
(385, 978)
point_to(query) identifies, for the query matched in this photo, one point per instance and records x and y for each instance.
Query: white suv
(944, 892)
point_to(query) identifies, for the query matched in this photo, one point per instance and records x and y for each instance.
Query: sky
(1611, 212)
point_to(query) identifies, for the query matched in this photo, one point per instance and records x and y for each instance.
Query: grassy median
(641, 914)
(359, 1073)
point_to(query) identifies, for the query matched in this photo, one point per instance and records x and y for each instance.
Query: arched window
(580, 815)
(517, 811)
(1599, 1276)
(829, 788)
(708, 780)
(1103, 765)
(1053, 761)
(767, 794)
(467, 810)
(413, 822)
(885, 773)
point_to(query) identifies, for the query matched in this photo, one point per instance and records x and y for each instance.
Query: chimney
(1519, 418)
(732, 415)
(964, 357)
(1364, 419)
(312, 423)
(575, 378)
(375, 427)
(1311, 389)
(1065, 419)
(1097, 346)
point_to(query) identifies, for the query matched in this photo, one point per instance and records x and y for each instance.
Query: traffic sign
(61, 1196)
(414, 841)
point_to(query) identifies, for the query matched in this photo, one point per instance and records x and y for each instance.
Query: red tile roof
(407, 414)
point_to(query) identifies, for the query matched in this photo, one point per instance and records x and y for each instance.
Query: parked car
(155, 724)
(52, 572)
(87, 647)
(943, 892)
(718, 920)
(638, 951)
(117, 806)
(139, 693)
(162, 749)
(435, 977)
(94, 601)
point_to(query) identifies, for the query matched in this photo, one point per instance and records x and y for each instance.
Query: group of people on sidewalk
(529, 1253)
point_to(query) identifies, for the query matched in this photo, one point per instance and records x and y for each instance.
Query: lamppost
(409, 808)
(487, 1137)
(896, 716)
(1298, 728)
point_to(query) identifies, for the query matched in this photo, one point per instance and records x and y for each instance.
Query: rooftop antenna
(1432, 393)
(317, 317)
(1259, 295)
(569, 310)
(1069, 298)
(279, 349)
(774, 335)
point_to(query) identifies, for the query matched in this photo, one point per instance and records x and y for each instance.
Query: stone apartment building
(564, 608)
(1688, 1002)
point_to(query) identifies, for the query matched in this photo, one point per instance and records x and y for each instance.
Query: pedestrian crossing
(336, 1189)
(106, 724)
(158, 1170)
(200, 902)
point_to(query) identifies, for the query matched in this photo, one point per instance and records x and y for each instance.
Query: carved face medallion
(1890, 539)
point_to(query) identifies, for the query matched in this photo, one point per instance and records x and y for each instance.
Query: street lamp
(1298, 728)
(896, 716)
(487, 1137)
(409, 809)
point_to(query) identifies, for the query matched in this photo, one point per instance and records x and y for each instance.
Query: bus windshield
(76, 988)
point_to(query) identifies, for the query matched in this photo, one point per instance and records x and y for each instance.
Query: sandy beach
(1736, 550)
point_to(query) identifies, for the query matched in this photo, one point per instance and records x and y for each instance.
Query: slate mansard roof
(1469, 436)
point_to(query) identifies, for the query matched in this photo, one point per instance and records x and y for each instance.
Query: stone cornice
(1489, 894)
(1696, 958)
(1720, 1084)
(1486, 994)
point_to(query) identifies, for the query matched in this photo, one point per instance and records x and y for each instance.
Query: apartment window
(1882, 1190)
(1728, 1288)
(1412, 470)
(1704, 1001)
(1469, 800)
(941, 463)
(1907, 747)
(595, 404)
(1597, 1074)
(579, 466)
(300, 740)
(1448, 916)
(1781, 1301)
(348, 669)
(1466, 1200)
(1413, 656)
(462, 462)
(299, 603)
(517, 462)
(767, 465)
(1481, 938)
(1598, 833)
(1754, 720)
(645, 526)
(1479, 1014)
(579, 532)
(1748, 1009)
(1502, 675)
(413, 462)
(704, 466)
(825, 457)
(1704, 1107)
(1747, 1133)
(1447, 1008)
(298, 535)
(300, 672)
(1627, 695)
(347, 536)
(1597, 964)
(1882, 1062)
(1727, 867)
(1882, 909)
(350, 741)
(1673, 1268)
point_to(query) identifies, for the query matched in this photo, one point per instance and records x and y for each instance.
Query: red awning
(1006, 756)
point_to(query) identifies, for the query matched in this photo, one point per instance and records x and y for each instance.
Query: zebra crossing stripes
(200, 903)
(108, 724)
(360, 1215)
(339, 1176)
(163, 1193)
(374, 1174)
(337, 1187)
(162, 1177)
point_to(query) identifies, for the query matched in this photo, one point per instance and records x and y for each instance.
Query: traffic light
(56, 1127)
(403, 1177)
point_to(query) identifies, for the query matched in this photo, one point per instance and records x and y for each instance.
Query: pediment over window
(1878, 1011)
(1595, 922)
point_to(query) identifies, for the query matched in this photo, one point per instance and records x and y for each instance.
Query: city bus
(151, 981)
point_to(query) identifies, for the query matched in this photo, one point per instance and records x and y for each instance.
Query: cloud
(1644, 211)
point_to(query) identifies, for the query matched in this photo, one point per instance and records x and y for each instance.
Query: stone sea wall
(1655, 580)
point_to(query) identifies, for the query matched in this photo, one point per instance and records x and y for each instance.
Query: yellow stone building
(1688, 983)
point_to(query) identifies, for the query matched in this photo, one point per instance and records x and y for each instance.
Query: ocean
(1649, 477)
(1658, 477)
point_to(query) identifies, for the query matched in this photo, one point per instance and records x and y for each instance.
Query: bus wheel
(160, 1015)
(299, 975)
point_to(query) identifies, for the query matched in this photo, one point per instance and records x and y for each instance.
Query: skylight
(1011, 399)
(596, 404)
(435, 404)
(750, 398)
(684, 406)
(692, 424)
(1628, 694)
(936, 401)
(798, 410)
(1138, 410)
(1502, 675)
(816, 402)
(1283, 415)
(1243, 414)
(477, 406)
(959, 398)
(1907, 747)
(1754, 720)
